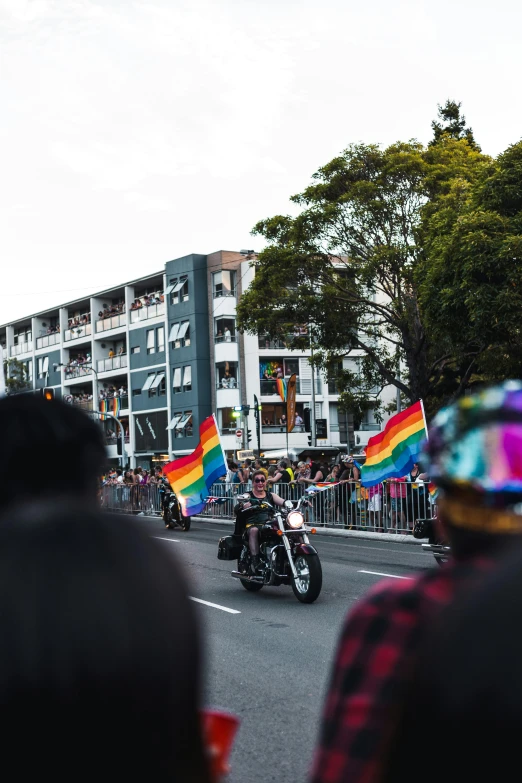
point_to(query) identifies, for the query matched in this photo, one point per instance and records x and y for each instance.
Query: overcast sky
(132, 133)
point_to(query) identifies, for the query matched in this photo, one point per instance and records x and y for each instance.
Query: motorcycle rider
(252, 512)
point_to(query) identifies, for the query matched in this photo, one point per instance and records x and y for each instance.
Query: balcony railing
(112, 440)
(77, 372)
(78, 331)
(271, 428)
(226, 383)
(303, 386)
(266, 343)
(143, 313)
(221, 338)
(113, 363)
(16, 350)
(111, 322)
(47, 340)
(85, 405)
(124, 403)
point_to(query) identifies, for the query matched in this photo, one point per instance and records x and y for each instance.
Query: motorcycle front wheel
(185, 523)
(309, 581)
(167, 518)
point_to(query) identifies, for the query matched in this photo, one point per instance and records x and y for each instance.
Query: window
(183, 427)
(187, 378)
(148, 383)
(151, 347)
(176, 383)
(180, 334)
(226, 375)
(224, 330)
(136, 392)
(43, 366)
(158, 385)
(160, 338)
(174, 421)
(136, 349)
(179, 292)
(223, 283)
(28, 370)
(226, 420)
(174, 329)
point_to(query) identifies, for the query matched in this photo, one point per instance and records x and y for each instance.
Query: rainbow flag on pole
(392, 452)
(192, 477)
(281, 388)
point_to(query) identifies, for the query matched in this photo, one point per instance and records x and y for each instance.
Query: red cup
(219, 731)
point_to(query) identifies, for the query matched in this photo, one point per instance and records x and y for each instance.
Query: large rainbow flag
(392, 452)
(191, 477)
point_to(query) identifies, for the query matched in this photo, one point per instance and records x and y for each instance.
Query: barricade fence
(386, 508)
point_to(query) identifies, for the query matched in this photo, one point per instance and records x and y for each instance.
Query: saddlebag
(229, 547)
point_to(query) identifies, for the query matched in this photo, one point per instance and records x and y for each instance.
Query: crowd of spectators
(113, 391)
(53, 329)
(110, 310)
(148, 300)
(138, 475)
(80, 359)
(79, 320)
(78, 399)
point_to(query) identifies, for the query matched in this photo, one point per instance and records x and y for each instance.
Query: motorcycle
(286, 555)
(437, 545)
(171, 510)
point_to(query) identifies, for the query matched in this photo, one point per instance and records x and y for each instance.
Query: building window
(136, 392)
(160, 338)
(180, 334)
(187, 378)
(148, 383)
(226, 375)
(183, 427)
(176, 383)
(223, 283)
(136, 349)
(28, 370)
(224, 330)
(151, 347)
(227, 422)
(43, 366)
(179, 290)
(157, 384)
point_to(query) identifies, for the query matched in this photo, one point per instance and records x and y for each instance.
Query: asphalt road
(268, 660)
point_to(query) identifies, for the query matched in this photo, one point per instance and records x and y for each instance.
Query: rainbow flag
(103, 409)
(281, 388)
(392, 452)
(116, 406)
(192, 477)
(433, 490)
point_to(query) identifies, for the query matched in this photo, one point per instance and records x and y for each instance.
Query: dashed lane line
(215, 606)
(378, 573)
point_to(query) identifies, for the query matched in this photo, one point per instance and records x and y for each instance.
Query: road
(268, 657)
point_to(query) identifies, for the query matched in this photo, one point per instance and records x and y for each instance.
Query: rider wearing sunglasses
(252, 512)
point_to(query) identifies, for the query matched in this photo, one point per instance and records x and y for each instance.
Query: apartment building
(162, 353)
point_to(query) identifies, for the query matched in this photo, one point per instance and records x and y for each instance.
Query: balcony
(112, 440)
(85, 405)
(274, 428)
(113, 363)
(17, 350)
(146, 312)
(265, 343)
(122, 404)
(47, 340)
(111, 322)
(77, 332)
(80, 371)
(231, 337)
(303, 386)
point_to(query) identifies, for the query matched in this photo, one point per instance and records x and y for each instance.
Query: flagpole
(219, 438)
(424, 418)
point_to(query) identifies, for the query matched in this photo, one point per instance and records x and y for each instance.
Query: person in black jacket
(252, 511)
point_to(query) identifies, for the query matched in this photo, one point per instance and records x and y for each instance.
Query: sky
(133, 133)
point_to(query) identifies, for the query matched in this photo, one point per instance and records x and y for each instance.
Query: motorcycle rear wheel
(309, 581)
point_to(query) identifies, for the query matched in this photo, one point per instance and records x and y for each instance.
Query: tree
(474, 245)
(452, 124)
(18, 379)
(351, 263)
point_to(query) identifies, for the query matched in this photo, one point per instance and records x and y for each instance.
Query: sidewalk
(397, 538)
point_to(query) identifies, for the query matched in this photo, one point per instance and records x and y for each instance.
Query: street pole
(257, 413)
(312, 412)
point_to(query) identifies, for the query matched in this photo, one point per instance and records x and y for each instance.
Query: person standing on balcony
(298, 423)
(228, 335)
(111, 353)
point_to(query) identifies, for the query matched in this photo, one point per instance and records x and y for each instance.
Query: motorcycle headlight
(295, 519)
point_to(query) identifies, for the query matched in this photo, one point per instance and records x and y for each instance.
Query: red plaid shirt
(372, 667)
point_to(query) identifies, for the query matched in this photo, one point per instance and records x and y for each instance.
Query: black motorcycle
(437, 545)
(171, 510)
(286, 555)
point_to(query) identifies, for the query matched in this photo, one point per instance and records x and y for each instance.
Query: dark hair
(90, 648)
(42, 435)
(257, 473)
(283, 464)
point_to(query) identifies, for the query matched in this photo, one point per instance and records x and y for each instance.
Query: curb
(401, 538)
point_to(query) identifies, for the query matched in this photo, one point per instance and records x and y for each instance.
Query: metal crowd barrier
(131, 498)
(347, 505)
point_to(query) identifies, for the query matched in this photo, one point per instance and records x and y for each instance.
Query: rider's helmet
(474, 457)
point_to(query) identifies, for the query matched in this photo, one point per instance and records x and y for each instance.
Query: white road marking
(378, 573)
(215, 606)
(162, 538)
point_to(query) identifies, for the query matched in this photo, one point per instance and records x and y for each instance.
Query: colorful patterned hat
(476, 444)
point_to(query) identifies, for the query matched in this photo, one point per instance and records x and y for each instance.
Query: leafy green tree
(18, 379)
(351, 263)
(452, 124)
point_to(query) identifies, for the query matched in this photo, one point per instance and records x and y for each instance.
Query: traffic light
(249, 436)
(306, 417)
(48, 394)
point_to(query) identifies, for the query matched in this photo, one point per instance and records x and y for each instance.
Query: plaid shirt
(372, 666)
